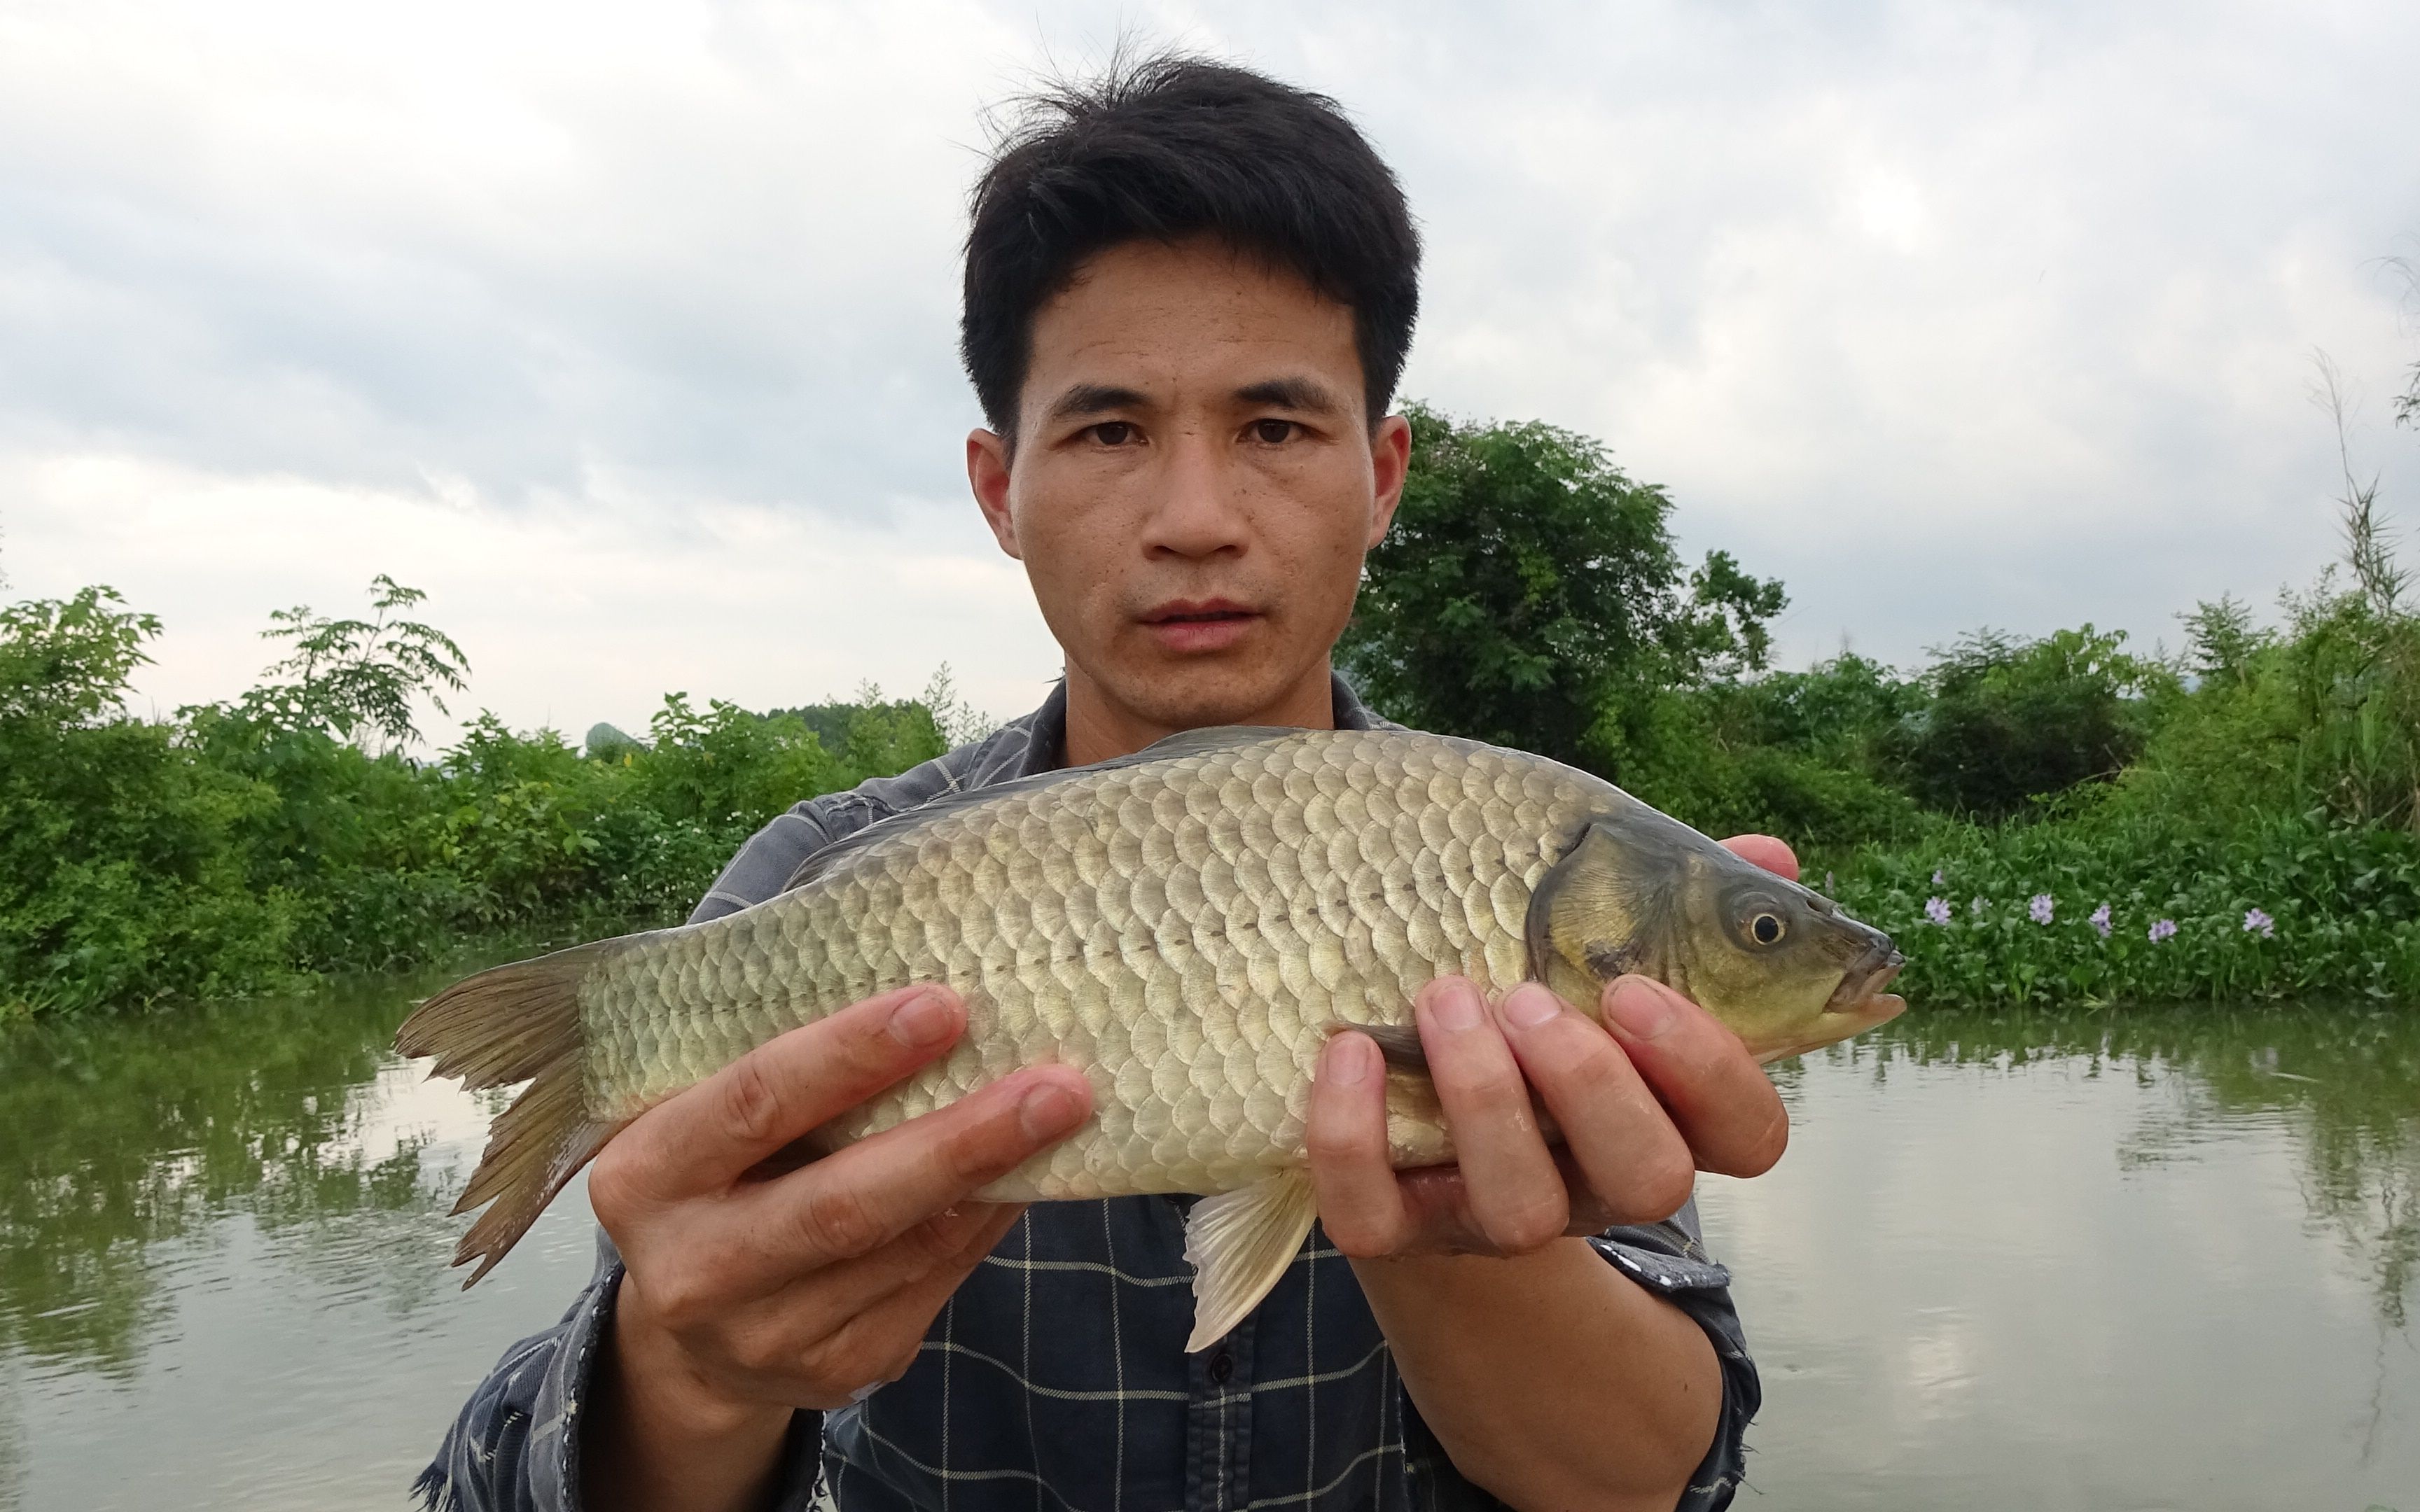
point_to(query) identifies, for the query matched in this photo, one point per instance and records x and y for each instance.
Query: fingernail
(1530, 1005)
(1455, 1005)
(1638, 1007)
(1047, 1110)
(923, 1020)
(1345, 1062)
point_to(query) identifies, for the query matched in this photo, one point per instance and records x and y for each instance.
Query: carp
(1187, 926)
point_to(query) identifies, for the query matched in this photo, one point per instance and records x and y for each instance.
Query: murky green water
(2093, 1261)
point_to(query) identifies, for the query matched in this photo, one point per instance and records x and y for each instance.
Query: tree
(1529, 595)
(2013, 720)
(67, 661)
(358, 677)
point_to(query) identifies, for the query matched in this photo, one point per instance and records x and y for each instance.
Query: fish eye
(1767, 929)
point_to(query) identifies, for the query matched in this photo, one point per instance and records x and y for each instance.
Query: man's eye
(1113, 432)
(1274, 432)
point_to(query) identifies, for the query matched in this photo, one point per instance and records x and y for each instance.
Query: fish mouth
(1860, 991)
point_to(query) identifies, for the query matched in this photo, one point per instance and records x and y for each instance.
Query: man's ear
(1390, 460)
(987, 475)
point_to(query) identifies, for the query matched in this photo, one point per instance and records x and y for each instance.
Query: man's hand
(1551, 1380)
(750, 1293)
(1667, 1092)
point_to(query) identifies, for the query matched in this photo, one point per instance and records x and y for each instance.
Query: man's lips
(1197, 624)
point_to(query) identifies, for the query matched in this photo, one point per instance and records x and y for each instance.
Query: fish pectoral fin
(1398, 1044)
(1239, 1243)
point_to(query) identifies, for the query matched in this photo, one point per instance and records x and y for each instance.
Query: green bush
(2011, 721)
(239, 846)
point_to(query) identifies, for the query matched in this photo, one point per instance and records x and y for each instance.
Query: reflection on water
(2130, 1260)
(222, 1245)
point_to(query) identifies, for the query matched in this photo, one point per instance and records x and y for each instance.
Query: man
(1188, 296)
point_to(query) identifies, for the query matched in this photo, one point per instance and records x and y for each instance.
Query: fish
(1187, 926)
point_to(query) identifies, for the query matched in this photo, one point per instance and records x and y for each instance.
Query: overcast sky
(627, 330)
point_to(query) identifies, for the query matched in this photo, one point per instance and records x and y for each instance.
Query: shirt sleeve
(514, 1445)
(1669, 1258)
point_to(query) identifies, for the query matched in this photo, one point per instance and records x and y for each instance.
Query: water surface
(2093, 1260)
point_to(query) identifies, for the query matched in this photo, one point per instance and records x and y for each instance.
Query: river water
(2107, 1260)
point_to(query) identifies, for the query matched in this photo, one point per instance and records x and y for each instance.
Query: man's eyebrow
(1301, 394)
(1093, 399)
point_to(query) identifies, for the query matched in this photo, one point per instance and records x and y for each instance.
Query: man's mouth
(1197, 624)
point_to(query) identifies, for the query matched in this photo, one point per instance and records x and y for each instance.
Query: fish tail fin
(518, 1022)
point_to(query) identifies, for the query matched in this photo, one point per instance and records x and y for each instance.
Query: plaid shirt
(1056, 1380)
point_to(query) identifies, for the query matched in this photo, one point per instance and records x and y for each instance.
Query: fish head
(1779, 964)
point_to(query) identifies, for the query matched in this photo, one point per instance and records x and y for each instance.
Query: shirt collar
(1046, 740)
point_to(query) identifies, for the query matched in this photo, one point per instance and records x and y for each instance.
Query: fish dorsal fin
(1185, 743)
(1240, 1244)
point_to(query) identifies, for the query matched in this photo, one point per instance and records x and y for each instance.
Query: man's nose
(1197, 513)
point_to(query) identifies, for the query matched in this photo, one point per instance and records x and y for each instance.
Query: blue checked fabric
(1056, 1380)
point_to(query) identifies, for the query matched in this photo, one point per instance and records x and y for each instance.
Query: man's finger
(707, 1137)
(1764, 850)
(1516, 1196)
(1624, 1141)
(1352, 1179)
(1719, 1097)
(945, 1246)
(854, 1201)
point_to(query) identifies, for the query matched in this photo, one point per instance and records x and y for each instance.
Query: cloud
(629, 329)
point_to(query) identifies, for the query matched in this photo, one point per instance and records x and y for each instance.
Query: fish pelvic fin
(1399, 1044)
(518, 1022)
(1239, 1243)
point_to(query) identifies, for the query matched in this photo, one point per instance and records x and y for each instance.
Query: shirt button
(1222, 1366)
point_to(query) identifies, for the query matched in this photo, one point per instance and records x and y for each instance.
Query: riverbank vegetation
(2061, 818)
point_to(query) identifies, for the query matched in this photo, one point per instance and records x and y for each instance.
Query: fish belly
(1187, 932)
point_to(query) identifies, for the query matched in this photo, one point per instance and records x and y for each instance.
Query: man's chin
(1192, 693)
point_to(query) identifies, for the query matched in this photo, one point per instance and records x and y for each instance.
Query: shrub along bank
(238, 847)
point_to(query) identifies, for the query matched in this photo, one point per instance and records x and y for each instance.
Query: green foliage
(1531, 595)
(240, 845)
(2012, 720)
(2274, 906)
(359, 677)
(1785, 753)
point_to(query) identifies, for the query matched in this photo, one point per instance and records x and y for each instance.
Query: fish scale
(1187, 932)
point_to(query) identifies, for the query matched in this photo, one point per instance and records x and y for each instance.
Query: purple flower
(1976, 906)
(2040, 907)
(2257, 922)
(1937, 910)
(1937, 877)
(2100, 920)
(2162, 929)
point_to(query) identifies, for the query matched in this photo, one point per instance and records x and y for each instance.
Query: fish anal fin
(1239, 1243)
(1400, 1043)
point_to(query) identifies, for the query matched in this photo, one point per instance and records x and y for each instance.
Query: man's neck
(1099, 729)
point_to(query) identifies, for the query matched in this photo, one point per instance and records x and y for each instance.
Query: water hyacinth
(2040, 908)
(2100, 920)
(1976, 905)
(1938, 876)
(2257, 922)
(1937, 910)
(2163, 930)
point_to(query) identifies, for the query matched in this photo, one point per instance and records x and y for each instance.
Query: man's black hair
(1171, 147)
